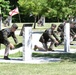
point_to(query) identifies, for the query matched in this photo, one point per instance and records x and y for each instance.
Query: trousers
(6, 53)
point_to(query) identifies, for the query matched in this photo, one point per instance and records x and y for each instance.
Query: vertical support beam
(27, 42)
(67, 37)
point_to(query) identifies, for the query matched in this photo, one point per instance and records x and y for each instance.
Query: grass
(55, 68)
(64, 67)
(70, 57)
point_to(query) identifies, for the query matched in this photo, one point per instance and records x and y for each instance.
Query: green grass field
(54, 68)
(64, 67)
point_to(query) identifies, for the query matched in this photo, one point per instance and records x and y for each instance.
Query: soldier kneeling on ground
(48, 36)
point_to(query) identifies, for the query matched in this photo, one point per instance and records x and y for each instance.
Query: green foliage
(48, 8)
(63, 8)
(5, 8)
(30, 7)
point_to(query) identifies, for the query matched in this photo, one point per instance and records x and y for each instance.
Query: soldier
(48, 36)
(72, 31)
(60, 30)
(4, 35)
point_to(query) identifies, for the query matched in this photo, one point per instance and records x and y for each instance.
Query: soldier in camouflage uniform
(48, 36)
(72, 31)
(4, 35)
(60, 29)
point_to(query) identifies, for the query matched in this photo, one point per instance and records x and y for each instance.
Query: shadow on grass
(71, 57)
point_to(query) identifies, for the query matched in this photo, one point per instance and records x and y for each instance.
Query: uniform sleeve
(56, 37)
(52, 35)
(14, 37)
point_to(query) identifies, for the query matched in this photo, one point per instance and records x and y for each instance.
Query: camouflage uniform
(48, 35)
(61, 30)
(4, 35)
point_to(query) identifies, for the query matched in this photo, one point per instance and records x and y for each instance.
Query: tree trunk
(35, 22)
(58, 19)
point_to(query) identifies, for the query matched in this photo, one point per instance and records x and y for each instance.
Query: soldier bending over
(4, 35)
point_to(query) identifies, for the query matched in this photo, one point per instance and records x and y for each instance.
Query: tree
(33, 7)
(5, 8)
(62, 8)
(13, 3)
(59, 9)
(72, 5)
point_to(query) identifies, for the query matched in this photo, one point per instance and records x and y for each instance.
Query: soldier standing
(48, 36)
(4, 35)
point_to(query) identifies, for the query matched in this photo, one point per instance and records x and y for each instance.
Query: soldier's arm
(52, 38)
(50, 35)
(14, 37)
(56, 37)
(72, 33)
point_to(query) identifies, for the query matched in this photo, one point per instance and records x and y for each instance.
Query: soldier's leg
(44, 48)
(62, 38)
(51, 46)
(7, 52)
